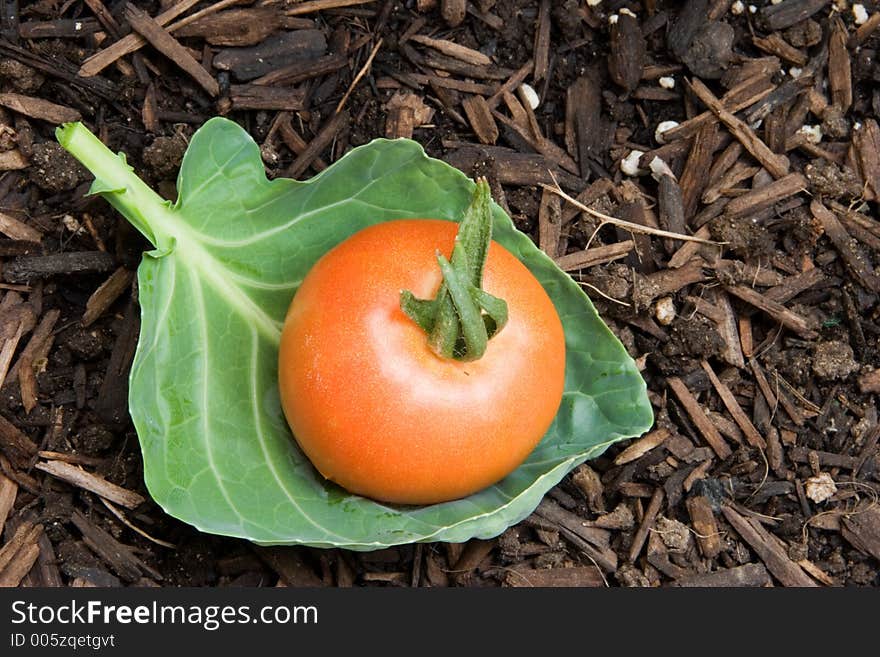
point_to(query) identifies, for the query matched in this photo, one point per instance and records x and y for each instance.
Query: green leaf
(203, 394)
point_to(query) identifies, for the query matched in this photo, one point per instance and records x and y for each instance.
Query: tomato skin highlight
(370, 404)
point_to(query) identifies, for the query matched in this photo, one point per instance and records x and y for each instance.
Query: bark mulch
(752, 126)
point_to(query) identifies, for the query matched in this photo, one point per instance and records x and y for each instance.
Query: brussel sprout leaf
(229, 256)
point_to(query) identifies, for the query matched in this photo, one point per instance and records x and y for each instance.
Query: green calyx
(463, 317)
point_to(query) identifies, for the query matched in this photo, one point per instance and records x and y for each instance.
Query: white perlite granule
(630, 164)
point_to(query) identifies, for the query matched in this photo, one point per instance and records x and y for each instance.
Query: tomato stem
(463, 317)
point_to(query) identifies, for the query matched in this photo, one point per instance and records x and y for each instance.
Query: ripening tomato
(379, 412)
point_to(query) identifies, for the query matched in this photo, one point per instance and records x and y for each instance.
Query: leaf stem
(116, 181)
(454, 320)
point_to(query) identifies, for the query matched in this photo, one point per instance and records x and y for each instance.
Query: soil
(764, 386)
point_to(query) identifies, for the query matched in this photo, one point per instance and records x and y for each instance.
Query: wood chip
(866, 141)
(792, 286)
(37, 108)
(26, 535)
(742, 420)
(728, 329)
(801, 454)
(480, 117)
(47, 563)
(159, 38)
(777, 165)
(76, 476)
(768, 550)
(405, 112)
(15, 443)
(862, 529)
(703, 520)
(839, 71)
(740, 96)
(108, 292)
(774, 44)
(27, 384)
(696, 171)
(25, 559)
(13, 160)
(512, 167)
(120, 558)
(326, 135)
(312, 6)
(542, 42)
(647, 522)
(628, 52)
(583, 112)
(771, 396)
(40, 342)
(672, 212)
(261, 97)
(764, 197)
(864, 31)
(8, 492)
(549, 223)
(642, 446)
(858, 263)
(235, 27)
(666, 281)
(869, 381)
(688, 250)
(785, 14)
(474, 553)
(17, 230)
(575, 576)
(24, 269)
(294, 141)
(749, 575)
(453, 49)
(290, 565)
(594, 256)
(591, 540)
(301, 70)
(695, 411)
(132, 42)
(776, 310)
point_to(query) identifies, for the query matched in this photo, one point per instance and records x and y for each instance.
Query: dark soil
(701, 500)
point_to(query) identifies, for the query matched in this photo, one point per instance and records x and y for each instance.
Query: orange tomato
(375, 410)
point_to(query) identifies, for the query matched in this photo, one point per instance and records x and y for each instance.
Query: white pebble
(627, 12)
(613, 19)
(664, 311)
(630, 164)
(820, 487)
(860, 14)
(594, 3)
(737, 8)
(813, 133)
(857, 125)
(667, 82)
(662, 127)
(795, 72)
(753, 9)
(775, 2)
(531, 95)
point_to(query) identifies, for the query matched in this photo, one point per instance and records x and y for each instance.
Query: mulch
(749, 126)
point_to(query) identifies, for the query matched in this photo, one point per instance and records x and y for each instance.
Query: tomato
(380, 413)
